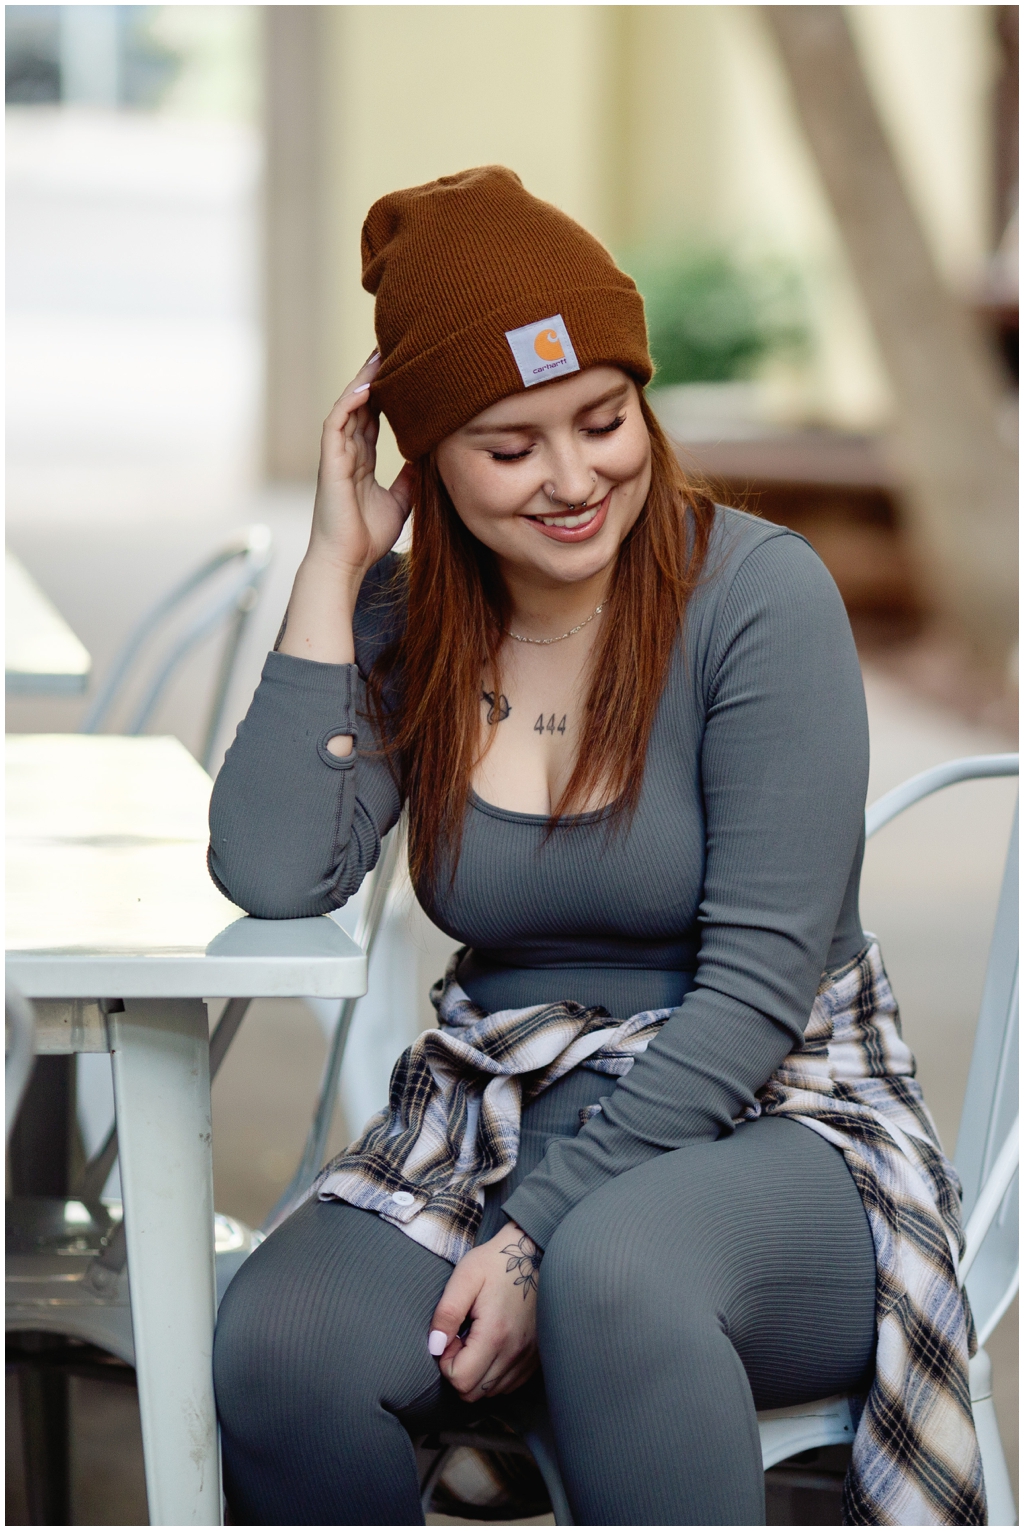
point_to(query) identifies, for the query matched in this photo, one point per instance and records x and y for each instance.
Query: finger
(497, 1382)
(508, 1372)
(366, 374)
(402, 489)
(521, 1371)
(355, 394)
(352, 401)
(453, 1309)
(368, 371)
(485, 1354)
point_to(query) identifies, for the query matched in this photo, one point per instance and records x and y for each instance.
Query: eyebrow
(525, 425)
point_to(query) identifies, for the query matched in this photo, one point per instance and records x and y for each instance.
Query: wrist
(322, 567)
(522, 1257)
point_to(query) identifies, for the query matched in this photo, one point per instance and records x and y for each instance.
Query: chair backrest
(231, 604)
(990, 1100)
(990, 1107)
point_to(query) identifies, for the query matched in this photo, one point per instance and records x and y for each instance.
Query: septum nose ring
(569, 505)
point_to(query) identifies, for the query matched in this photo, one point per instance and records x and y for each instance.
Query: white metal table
(109, 901)
(42, 655)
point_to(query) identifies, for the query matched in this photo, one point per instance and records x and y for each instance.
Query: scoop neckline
(513, 816)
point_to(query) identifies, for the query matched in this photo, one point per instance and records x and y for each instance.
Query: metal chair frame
(251, 551)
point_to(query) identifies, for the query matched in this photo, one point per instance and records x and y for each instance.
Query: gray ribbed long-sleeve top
(727, 895)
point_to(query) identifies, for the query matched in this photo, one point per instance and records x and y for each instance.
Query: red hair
(457, 614)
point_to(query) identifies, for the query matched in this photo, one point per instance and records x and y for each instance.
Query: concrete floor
(131, 452)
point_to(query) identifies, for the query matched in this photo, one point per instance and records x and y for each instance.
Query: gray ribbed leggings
(674, 1301)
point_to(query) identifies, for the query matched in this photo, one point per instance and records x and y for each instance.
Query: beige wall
(648, 123)
(421, 91)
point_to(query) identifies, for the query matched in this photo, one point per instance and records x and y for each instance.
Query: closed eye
(593, 430)
(606, 430)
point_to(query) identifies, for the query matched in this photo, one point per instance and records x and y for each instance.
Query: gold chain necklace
(545, 641)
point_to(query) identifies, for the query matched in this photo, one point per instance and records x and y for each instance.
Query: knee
(255, 1368)
(273, 1362)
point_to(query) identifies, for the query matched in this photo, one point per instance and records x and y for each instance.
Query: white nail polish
(362, 388)
(437, 1340)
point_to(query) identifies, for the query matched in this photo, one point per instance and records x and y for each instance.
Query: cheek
(631, 464)
(483, 498)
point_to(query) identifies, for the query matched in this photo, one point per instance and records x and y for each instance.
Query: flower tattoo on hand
(524, 1257)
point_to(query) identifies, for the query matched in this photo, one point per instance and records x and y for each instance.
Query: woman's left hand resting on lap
(495, 1286)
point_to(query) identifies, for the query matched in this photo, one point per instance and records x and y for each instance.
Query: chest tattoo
(549, 726)
(498, 708)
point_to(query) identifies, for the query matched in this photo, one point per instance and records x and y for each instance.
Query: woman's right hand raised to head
(355, 522)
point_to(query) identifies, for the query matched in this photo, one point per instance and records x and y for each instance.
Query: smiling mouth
(583, 519)
(574, 526)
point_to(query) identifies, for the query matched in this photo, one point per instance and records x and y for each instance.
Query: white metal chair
(986, 1158)
(222, 591)
(248, 555)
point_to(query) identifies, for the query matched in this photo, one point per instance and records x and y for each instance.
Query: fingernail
(437, 1340)
(374, 356)
(362, 388)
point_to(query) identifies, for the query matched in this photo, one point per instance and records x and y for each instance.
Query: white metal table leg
(162, 1097)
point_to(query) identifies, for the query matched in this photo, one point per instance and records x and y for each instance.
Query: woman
(630, 733)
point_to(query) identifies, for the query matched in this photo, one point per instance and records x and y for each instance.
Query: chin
(573, 565)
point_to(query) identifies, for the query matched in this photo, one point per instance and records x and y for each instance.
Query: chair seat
(55, 1283)
(785, 1432)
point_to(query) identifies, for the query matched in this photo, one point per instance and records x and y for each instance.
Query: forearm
(318, 624)
(697, 1076)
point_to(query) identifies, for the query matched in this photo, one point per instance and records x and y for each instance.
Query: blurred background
(820, 207)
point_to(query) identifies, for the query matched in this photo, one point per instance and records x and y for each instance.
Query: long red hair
(458, 611)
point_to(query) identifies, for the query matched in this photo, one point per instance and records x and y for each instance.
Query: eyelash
(601, 430)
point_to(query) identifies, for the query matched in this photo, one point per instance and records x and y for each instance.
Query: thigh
(334, 1306)
(761, 1234)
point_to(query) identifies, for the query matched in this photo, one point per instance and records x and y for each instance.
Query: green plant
(712, 318)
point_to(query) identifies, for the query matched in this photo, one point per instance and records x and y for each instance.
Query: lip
(576, 533)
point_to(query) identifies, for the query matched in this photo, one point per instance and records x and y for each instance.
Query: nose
(571, 482)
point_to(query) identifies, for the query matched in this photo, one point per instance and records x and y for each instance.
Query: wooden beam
(953, 434)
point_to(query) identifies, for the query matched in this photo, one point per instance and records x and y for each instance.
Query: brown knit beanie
(483, 290)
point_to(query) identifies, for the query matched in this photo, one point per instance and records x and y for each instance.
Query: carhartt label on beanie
(483, 290)
(543, 350)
